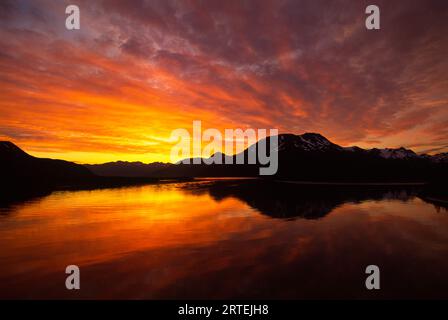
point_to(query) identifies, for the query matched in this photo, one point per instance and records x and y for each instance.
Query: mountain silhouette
(312, 157)
(24, 176)
(289, 201)
(306, 157)
(17, 165)
(127, 169)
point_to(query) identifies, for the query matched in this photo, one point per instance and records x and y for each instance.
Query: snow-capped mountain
(306, 142)
(305, 157)
(399, 153)
(317, 142)
(353, 149)
(440, 158)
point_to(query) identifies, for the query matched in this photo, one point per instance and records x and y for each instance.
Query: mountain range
(309, 156)
(16, 164)
(306, 157)
(23, 175)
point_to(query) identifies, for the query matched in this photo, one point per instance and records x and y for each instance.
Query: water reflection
(218, 239)
(288, 200)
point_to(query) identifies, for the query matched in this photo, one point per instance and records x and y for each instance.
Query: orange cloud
(117, 88)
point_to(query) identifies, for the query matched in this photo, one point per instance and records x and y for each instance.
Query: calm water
(224, 239)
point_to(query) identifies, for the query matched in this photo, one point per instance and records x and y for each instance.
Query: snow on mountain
(400, 153)
(353, 149)
(440, 157)
(306, 142)
(387, 153)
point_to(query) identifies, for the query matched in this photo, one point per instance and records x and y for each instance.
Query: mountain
(306, 157)
(312, 157)
(24, 176)
(127, 169)
(440, 158)
(289, 200)
(400, 153)
(16, 165)
(9, 150)
(310, 142)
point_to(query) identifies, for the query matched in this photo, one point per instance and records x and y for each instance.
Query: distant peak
(398, 153)
(309, 141)
(304, 135)
(313, 135)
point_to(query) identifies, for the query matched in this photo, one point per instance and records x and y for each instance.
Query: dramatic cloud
(136, 70)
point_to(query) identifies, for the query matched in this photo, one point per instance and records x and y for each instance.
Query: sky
(137, 70)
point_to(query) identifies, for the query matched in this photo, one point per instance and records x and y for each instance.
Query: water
(225, 239)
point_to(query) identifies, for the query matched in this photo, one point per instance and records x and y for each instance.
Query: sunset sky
(136, 70)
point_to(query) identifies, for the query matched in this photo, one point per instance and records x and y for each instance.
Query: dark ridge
(306, 157)
(25, 176)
